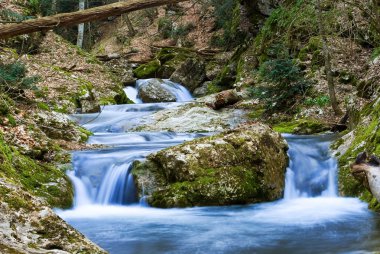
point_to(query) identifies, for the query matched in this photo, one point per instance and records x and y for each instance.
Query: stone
(267, 6)
(29, 225)
(152, 91)
(147, 70)
(193, 117)
(367, 171)
(58, 126)
(191, 74)
(202, 90)
(224, 98)
(240, 166)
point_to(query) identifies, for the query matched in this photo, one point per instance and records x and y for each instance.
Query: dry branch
(74, 18)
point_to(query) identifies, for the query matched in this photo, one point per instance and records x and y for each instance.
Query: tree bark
(80, 26)
(327, 57)
(75, 18)
(131, 30)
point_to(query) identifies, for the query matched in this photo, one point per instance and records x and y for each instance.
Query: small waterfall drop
(81, 194)
(310, 219)
(117, 186)
(179, 91)
(311, 171)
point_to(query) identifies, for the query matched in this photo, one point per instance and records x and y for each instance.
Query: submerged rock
(245, 165)
(152, 91)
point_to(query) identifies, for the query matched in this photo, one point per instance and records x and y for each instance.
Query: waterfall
(117, 186)
(179, 91)
(81, 194)
(311, 171)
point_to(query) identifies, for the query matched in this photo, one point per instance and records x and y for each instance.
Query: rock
(223, 99)
(171, 59)
(202, 90)
(266, 7)
(213, 68)
(367, 171)
(147, 70)
(190, 74)
(127, 77)
(152, 91)
(28, 225)
(59, 126)
(192, 117)
(245, 165)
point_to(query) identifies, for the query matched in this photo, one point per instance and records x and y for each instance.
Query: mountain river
(311, 218)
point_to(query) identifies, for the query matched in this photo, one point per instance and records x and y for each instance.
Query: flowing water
(311, 218)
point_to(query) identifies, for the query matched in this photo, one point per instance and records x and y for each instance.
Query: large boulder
(191, 74)
(153, 91)
(29, 225)
(245, 165)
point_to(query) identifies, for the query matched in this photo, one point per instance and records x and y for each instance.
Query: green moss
(367, 138)
(6, 104)
(43, 106)
(147, 70)
(375, 53)
(214, 88)
(85, 134)
(121, 98)
(219, 186)
(11, 120)
(373, 204)
(302, 126)
(36, 177)
(257, 114)
(219, 172)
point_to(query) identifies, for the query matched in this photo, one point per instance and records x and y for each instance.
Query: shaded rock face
(202, 90)
(28, 225)
(191, 73)
(152, 91)
(267, 6)
(245, 165)
(367, 171)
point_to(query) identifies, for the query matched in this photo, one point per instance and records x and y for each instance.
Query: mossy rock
(302, 126)
(366, 137)
(241, 166)
(41, 179)
(148, 70)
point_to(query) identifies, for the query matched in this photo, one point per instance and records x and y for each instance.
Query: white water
(312, 171)
(179, 91)
(310, 219)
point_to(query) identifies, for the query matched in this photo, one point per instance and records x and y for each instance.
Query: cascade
(103, 176)
(179, 91)
(312, 171)
(311, 218)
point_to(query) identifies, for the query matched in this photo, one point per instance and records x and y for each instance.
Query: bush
(13, 80)
(167, 29)
(287, 85)
(320, 101)
(227, 15)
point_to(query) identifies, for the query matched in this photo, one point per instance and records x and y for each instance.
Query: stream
(311, 218)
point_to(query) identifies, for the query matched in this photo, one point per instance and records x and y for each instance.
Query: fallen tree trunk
(75, 18)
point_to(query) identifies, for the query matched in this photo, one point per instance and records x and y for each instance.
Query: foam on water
(310, 219)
